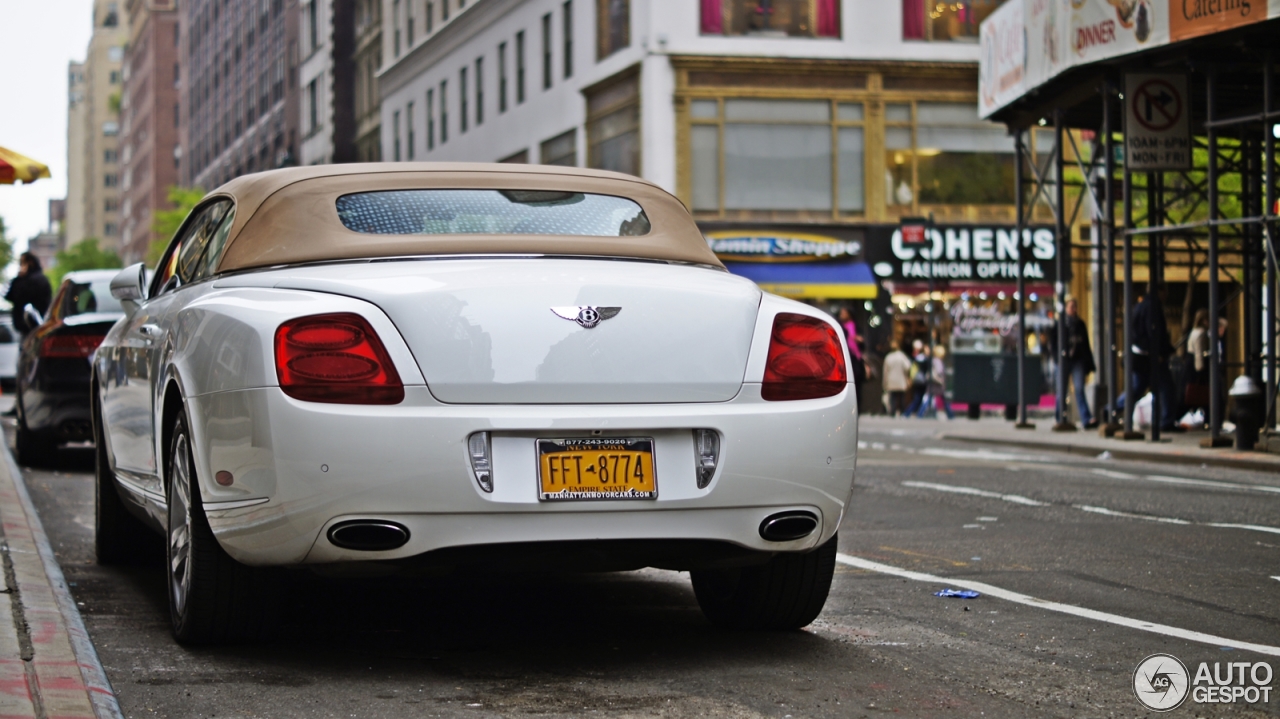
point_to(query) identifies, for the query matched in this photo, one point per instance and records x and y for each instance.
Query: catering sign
(965, 253)
(1026, 43)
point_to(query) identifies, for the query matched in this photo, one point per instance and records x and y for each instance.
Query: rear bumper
(313, 465)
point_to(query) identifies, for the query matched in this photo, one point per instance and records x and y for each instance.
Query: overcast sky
(41, 37)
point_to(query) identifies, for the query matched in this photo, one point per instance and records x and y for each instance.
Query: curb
(1173, 457)
(63, 675)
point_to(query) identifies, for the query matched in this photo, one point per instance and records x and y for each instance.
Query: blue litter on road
(958, 593)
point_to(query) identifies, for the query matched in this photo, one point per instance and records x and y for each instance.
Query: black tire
(786, 593)
(119, 537)
(213, 599)
(34, 449)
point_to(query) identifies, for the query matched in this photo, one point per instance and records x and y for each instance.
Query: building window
(520, 67)
(567, 15)
(110, 180)
(788, 18)
(431, 120)
(110, 229)
(931, 20)
(313, 25)
(408, 9)
(462, 100)
(431, 11)
(177, 34)
(941, 153)
(502, 77)
(805, 157)
(561, 150)
(177, 74)
(518, 158)
(395, 135)
(408, 123)
(110, 157)
(479, 91)
(444, 111)
(546, 51)
(444, 10)
(110, 128)
(114, 77)
(110, 204)
(313, 107)
(395, 24)
(613, 124)
(177, 119)
(613, 27)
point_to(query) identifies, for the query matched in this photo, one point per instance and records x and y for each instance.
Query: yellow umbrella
(14, 167)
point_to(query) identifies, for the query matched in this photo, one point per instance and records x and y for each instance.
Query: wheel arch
(171, 406)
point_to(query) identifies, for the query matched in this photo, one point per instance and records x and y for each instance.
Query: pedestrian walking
(1074, 360)
(30, 287)
(1196, 394)
(937, 391)
(921, 368)
(897, 378)
(1151, 352)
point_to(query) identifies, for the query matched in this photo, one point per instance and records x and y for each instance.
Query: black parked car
(54, 365)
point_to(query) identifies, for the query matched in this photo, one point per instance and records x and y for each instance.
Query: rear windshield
(89, 297)
(491, 212)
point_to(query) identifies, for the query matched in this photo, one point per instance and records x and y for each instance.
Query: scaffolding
(1219, 217)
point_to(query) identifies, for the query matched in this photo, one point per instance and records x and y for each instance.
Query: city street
(1188, 547)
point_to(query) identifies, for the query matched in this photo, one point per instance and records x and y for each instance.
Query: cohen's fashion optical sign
(969, 253)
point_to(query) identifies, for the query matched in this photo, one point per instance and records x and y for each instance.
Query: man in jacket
(30, 287)
(1152, 349)
(1075, 360)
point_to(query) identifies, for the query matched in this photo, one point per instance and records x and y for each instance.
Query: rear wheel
(785, 593)
(212, 598)
(119, 537)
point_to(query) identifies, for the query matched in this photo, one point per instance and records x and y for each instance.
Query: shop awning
(16, 167)
(835, 281)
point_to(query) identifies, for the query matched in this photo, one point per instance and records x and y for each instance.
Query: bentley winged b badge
(587, 317)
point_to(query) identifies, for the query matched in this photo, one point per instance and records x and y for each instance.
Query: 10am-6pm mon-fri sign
(1156, 131)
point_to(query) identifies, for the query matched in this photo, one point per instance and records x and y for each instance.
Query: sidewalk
(1177, 449)
(48, 667)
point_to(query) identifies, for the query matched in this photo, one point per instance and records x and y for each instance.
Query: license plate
(596, 468)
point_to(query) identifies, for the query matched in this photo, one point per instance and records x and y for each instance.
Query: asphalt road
(1122, 538)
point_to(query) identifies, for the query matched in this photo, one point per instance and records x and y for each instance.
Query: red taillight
(335, 358)
(70, 345)
(805, 360)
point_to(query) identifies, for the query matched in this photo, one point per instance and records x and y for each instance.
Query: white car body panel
(300, 467)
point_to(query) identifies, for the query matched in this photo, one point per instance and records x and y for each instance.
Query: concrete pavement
(48, 667)
(1177, 448)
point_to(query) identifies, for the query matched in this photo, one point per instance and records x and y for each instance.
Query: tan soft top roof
(290, 216)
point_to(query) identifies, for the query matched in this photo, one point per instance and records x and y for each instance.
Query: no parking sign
(1156, 130)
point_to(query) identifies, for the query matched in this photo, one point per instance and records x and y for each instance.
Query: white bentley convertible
(382, 367)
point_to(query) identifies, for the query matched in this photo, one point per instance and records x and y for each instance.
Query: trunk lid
(484, 331)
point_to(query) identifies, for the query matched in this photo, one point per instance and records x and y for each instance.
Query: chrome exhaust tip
(368, 535)
(788, 526)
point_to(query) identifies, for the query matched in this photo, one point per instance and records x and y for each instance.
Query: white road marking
(1115, 475)
(1212, 483)
(1276, 578)
(1014, 498)
(1128, 515)
(1254, 527)
(1030, 601)
(1019, 499)
(982, 454)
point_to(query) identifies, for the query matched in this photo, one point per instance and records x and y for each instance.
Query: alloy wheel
(180, 525)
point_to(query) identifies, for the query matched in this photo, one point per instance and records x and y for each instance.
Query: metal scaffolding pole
(1268, 234)
(1108, 340)
(1129, 398)
(1215, 438)
(1062, 255)
(1155, 275)
(1019, 150)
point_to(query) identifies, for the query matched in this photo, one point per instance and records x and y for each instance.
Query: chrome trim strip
(135, 488)
(234, 504)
